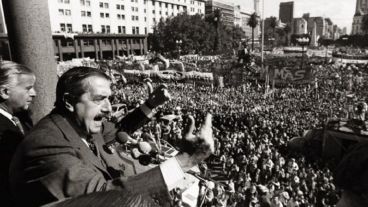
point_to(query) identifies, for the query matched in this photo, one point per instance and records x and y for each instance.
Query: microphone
(121, 137)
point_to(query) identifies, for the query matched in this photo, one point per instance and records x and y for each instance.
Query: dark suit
(53, 163)
(10, 137)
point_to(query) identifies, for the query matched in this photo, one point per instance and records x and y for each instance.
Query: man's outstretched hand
(158, 96)
(196, 147)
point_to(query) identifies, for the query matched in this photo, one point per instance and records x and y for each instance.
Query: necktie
(92, 145)
(18, 124)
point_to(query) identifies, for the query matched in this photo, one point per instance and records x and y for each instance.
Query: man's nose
(106, 107)
(32, 92)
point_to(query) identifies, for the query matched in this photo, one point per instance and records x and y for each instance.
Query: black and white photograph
(184, 103)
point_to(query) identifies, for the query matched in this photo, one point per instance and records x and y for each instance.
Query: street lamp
(178, 43)
(303, 41)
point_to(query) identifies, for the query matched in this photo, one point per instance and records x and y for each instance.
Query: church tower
(361, 9)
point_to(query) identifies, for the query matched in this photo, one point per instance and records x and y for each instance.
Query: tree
(273, 24)
(253, 23)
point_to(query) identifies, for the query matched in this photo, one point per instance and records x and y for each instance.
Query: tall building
(286, 12)
(360, 10)
(116, 16)
(299, 26)
(106, 28)
(227, 10)
(256, 7)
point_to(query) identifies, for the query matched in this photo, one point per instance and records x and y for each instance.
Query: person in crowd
(63, 155)
(16, 94)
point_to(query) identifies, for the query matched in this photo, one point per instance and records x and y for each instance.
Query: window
(89, 14)
(166, 5)
(123, 17)
(106, 5)
(88, 3)
(122, 7)
(178, 7)
(62, 27)
(107, 29)
(145, 11)
(137, 30)
(90, 28)
(66, 1)
(159, 4)
(153, 3)
(103, 29)
(145, 19)
(172, 6)
(133, 18)
(136, 18)
(119, 16)
(101, 4)
(84, 27)
(133, 30)
(83, 13)
(133, 8)
(61, 12)
(145, 2)
(153, 11)
(60, 1)
(82, 2)
(69, 27)
(68, 12)
(102, 15)
(107, 15)
(160, 12)
(145, 30)
(118, 6)
(123, 29)
(119, 29)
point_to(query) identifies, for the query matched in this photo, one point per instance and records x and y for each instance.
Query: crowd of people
(250, 165)
(252, 131)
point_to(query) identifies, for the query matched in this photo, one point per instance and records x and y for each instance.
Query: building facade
(116, 16)
(227, 10)
(361, 9)
(104, 29)
(286, 12)
(300, 26)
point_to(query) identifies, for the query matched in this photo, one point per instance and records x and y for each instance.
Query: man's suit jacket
(10, 137)
(53, 163)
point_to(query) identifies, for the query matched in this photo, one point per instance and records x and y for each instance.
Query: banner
(287, 75)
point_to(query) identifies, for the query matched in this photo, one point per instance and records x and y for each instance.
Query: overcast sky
(341, 12)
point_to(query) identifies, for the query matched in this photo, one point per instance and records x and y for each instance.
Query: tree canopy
(197, 33)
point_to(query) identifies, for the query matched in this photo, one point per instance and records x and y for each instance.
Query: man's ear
(4, 93)
(69, 102)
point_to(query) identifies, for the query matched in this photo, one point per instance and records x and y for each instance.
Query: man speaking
(63, 155)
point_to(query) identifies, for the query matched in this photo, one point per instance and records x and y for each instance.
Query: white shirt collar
(6, 114)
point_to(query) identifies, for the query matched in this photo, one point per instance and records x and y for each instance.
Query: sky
(341, 12)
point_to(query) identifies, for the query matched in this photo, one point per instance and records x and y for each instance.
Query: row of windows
(85, 3)
(121, 16)
(134, 9)
(64, 1)
(104, 5)
(119, 7)
(104, 15)
(104, 28)
(65, 12)
(86, 14)
(135, 18)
